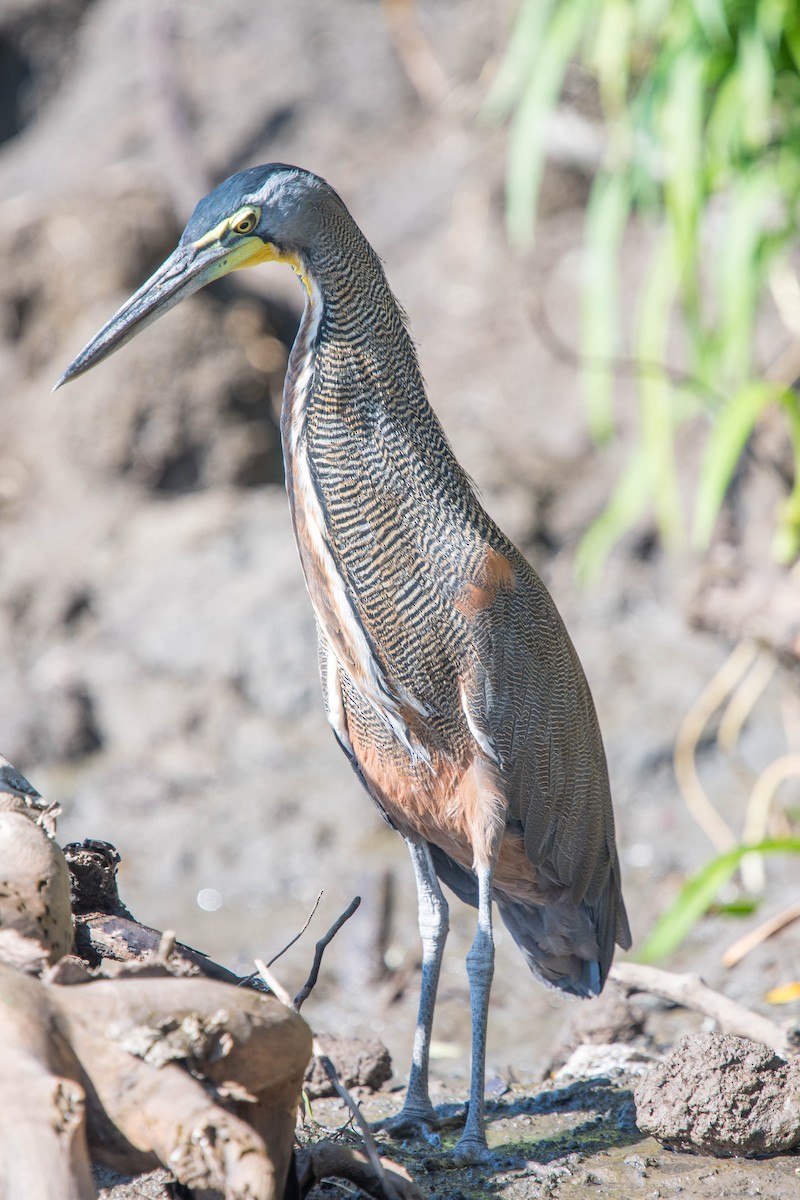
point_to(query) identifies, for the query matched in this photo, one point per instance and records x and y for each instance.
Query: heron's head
(264, 214)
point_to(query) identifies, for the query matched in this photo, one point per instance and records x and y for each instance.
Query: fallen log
(134, 1056)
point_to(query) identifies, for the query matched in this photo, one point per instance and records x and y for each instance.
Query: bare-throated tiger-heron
(448, 676)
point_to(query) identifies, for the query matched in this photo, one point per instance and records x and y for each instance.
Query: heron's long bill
(187, 269)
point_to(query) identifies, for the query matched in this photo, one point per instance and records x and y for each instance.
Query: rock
(603, 1059)
(722, 1095)
(359, 1062)
(605, 1020)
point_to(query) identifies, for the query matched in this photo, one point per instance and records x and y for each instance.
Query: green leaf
(723, 142)
(786, 544)
(711, 16)
(743, 271)
(757, 79)
(681, 129)
(609, 53)
(628, 502)
(702, 107)
(792, 36)
(699, 892)
(650, 16)
(606, 218)
(526, 138)
(771, 17)
(743, 907)
(732, 427)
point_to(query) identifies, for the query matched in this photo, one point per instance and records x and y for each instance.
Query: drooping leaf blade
(786, 543)
(740, 273)
(519, 60)
(627, 504)
(681, 133)
(655, 391)
(732, 427)
(606, 218)
(698, 893)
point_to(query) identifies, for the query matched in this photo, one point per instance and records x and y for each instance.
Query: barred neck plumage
(353, 349)
(364, 454)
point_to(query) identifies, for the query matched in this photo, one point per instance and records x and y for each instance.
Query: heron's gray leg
(480, 969)
(418, 1113)
(433, 916)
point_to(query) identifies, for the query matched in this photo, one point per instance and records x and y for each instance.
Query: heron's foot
(471, 1149)
(413, 1121)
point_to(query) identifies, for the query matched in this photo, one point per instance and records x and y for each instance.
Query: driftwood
(77, 1075)
(94, 1065)
(43, 1143)
(690, 992)
(34, 881)
(133, 1056)
(105, 932)
(327, 1160)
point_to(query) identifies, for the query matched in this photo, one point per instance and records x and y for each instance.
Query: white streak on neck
(337, 614)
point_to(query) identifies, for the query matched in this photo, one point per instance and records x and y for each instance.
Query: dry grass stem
(274, 984)
(713, 695)
(369, 1141)
(744, 945)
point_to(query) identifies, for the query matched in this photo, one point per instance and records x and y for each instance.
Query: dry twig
(744, 700)
(714, 693)
(415, 54)
(366, 1133)
(326, 1064)
(273, 983)
(297, 936)
(622, 365)
(768, 782)
(744, 945)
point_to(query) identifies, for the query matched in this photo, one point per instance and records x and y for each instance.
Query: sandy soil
(157, 658)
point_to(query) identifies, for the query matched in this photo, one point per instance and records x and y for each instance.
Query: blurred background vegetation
(701, 104)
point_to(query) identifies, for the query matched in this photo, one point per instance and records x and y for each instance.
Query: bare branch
(414, 51)
(621, 365)
(319, 950)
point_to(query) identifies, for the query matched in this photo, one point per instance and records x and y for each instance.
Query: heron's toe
(420, 1123)
(471, 1150)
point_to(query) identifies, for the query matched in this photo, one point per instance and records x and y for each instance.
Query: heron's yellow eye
(245, 223)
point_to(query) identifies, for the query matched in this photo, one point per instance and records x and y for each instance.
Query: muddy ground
(157, 658)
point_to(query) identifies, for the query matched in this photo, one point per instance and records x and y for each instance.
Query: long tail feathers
(559, 944)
